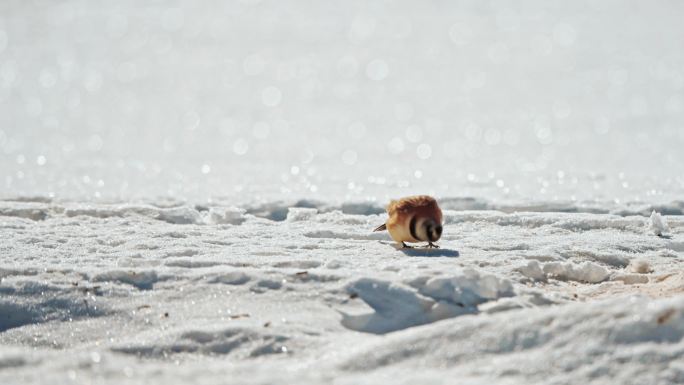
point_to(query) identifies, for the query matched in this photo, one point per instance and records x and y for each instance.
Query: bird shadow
(421, 252)
(425, 252)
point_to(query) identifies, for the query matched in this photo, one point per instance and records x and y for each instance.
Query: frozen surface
(133, 296)
(188, 189)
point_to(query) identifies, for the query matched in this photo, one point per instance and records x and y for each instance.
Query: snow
(530, 345)
(428, 299)
(188, 192)
(585, 272)
(319, 297)
(640, 266)
(657, 224)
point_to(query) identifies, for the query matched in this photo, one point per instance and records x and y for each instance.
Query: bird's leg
(405, 246)
(432, 246)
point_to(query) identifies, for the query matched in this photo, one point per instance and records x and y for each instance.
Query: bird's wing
(410, 203)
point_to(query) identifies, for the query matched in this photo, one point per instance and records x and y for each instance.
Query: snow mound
(298, 214)
(533, 270)
(583, 272)
(230, 215)
(588, 272)
(397, 306)
(469, 288)
(600, 340)
(657, 224)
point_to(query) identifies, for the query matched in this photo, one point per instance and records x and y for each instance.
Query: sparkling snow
(188, 191)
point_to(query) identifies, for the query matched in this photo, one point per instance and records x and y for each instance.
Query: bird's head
(431, 230)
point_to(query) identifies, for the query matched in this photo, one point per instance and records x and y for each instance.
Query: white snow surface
(140, 293)
(657, 224)
(188, 191)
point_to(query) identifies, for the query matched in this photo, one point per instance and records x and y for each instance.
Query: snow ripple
(399, 307)
(238, 342)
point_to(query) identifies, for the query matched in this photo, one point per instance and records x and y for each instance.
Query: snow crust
(161, 292)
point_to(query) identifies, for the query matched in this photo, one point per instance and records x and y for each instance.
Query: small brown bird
(414, 219)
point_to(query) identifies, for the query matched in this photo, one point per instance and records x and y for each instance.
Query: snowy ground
(188, 189)
(139, 293)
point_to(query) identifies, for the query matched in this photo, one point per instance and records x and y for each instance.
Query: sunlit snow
(188, 191)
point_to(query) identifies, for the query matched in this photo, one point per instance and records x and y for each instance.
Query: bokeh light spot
(377, 70)
(564, 34)
(271, 96)
(424, 151)
(460, 33)
(349, 157)
(253, 65)
(240, 147)
(395, 146)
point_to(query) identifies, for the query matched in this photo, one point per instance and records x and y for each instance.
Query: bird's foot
(432, 246)
(405, 246)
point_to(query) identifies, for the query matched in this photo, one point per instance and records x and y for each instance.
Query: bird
(414, 219)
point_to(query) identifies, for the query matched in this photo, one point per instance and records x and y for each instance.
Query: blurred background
(527, 100)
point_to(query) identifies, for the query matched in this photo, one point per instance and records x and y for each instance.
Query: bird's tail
(382, 227)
